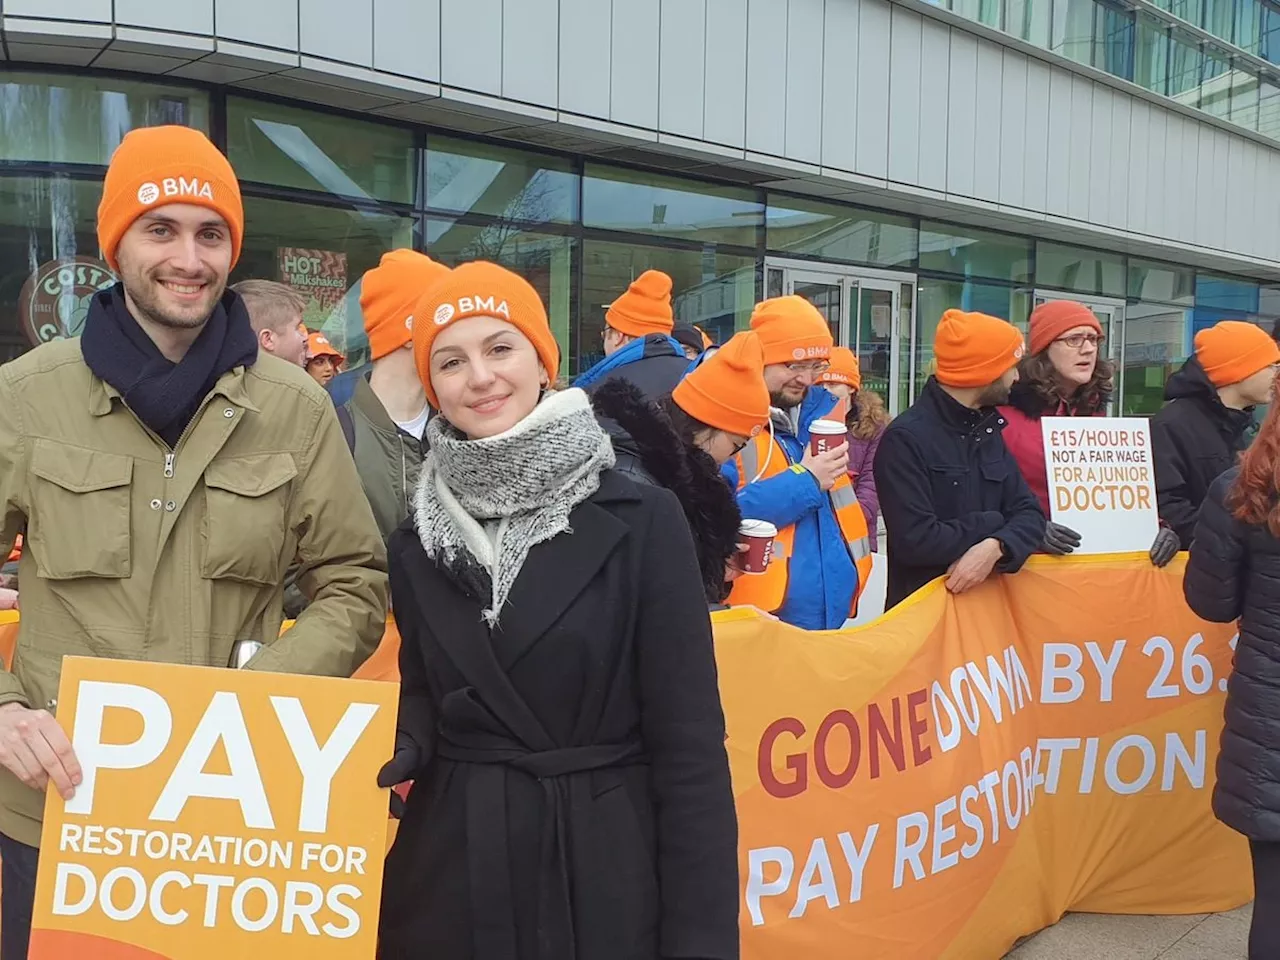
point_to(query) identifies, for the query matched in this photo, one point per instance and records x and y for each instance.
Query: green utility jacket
(135, 552)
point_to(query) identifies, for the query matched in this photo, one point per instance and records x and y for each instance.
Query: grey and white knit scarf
(495, 498)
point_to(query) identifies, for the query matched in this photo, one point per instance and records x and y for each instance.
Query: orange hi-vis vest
(768, 590)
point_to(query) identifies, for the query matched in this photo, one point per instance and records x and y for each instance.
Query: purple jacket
(862, 454)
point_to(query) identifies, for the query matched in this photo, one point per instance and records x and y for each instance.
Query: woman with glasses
(1063, 375)
(681, 442)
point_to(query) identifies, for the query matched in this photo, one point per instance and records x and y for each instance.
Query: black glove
(404, 763)
(1059, 540)
(1165, 547)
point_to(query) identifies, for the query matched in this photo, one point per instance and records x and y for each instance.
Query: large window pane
(322, 252)
(938, 296)
(291, 147)
(1226, 294)
(1155, 344)
(1151, 56)
(1073, 30)
(1269, 33)
(1244, 96)
(49, 264)
(662, 206)
(545, 260)
(1215, 85)
(1219, 17)
(715, 291)
(465, 177)
(1248, 29)
(1161, 282)
(1184, 69)
(1028, 19)
(1080, 270)
(984, 11)
(1113, 49)
(832, 232)
(1269, 110)
(60, 119)
(974, 253)
(1188, 10)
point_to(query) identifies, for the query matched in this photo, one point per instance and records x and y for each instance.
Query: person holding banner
(1198, 434)
(559, 711)
(1233, 576)
(955, 503)
(166, 473)
(821, 554)
(1062, 375)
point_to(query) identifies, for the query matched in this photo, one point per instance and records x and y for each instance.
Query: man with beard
(954, 502)
(822, 556)
(166, 473)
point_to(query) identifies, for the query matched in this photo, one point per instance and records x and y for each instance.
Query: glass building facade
(327, 193)
(1219, 56)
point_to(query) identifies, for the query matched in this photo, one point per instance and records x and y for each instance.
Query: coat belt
(488, 843)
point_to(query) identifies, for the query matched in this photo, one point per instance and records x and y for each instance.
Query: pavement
(1094, 936)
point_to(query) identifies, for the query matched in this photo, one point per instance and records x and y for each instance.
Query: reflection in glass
(465, 177)
(49, 263)
(976, 253)
(1215, 85)
(845, 234)
(1155, 337)
(1269, 33)
(322, 252)
(828, 298)
(1219, 18)
(1248, 29)
(712, 290)
(545, 260)
(1151, 57)
(64, 119)
(292, 147)
(1079, 269)
(1184, 69)
(1161, 282)
(1029, 20)
(655, 205)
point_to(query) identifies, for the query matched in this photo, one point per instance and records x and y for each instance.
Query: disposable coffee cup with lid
(826, 435)
(758, 535)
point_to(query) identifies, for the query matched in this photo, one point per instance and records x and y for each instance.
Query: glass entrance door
(870, 313)
(1110, 314)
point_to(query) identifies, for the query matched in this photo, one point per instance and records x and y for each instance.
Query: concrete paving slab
(1222, 936)
(1092, 936)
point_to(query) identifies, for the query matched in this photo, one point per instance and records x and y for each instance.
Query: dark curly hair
(1038, 392)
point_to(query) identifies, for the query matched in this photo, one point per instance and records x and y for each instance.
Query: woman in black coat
(1234, 575)
(559, 709)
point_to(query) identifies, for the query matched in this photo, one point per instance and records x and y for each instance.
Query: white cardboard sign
(1102, 481)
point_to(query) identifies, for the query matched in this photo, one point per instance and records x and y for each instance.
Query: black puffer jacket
(1194, 438)
(650, 451)
(1234, 574)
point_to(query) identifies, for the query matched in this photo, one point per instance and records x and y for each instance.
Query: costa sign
(54, 301)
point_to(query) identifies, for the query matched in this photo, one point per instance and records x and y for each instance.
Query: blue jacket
(822, 578)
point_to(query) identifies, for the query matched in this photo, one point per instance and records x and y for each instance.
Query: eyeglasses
(815, 367)
(1077, 340)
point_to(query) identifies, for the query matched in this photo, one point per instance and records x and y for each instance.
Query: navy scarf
(162, 394)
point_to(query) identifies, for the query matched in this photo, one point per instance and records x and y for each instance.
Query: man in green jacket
(383, 408)
(165, 475)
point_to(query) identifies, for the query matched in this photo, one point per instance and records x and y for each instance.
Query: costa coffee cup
(758, 536)
(826, 435)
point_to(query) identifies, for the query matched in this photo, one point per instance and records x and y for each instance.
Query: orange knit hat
(728, 391)
(388, 294)
(844, 369)
(1051, 320)
(318, 345)
(156, 166)
(791, 329)
(481, 289)
(973, 349)
(1233, 350)
(645, 308)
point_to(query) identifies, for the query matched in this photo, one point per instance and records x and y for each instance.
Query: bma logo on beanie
(171, 187)
(472, 306)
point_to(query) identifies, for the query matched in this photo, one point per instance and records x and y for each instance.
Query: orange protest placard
(963, 771)
(223, 813)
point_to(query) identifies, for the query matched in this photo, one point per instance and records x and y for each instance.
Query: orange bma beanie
(480, 289)
(973, 349)
(791, 329)
(1051, 320)
(844, 369)
(388, 294)
(157, 166)
(1233, 350)
(728, 391)
(645, 308)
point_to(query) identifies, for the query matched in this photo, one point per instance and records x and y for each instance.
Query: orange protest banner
(963, 771)
(223, 813)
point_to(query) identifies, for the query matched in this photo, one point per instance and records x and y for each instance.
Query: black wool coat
(1194, 439)
(574, 800)
(1234, 574)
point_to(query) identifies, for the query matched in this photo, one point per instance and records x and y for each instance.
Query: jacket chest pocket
(950, 486)
(993, 472)
(246, 504)
(80, 512)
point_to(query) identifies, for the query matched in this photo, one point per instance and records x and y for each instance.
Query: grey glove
(1059, 540)
(1166, 546)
